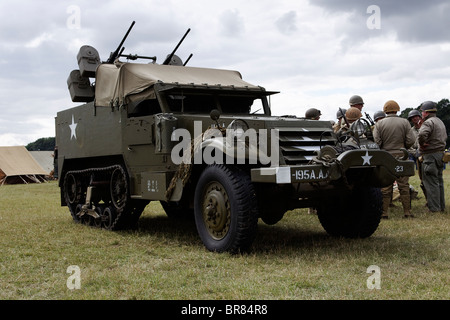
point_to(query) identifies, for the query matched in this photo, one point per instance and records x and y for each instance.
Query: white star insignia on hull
(367, 158)
(73, 127)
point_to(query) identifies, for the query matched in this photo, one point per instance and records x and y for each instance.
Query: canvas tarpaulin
(129, 82)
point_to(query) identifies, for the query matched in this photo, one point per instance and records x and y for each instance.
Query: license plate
(312, 174)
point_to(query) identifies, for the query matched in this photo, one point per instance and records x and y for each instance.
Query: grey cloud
(428, 25)
(232, 23)
(389, 7)
(411, 21)
(287, 23)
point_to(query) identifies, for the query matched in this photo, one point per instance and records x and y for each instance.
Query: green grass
(165, 259)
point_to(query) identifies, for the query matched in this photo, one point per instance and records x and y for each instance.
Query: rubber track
(84, 175)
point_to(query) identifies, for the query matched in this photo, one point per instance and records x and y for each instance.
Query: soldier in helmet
(340, 121)
(432, 137)
(313, 114)
(392, 134)
(415, 117)
(351, 115)
(357, 102)
(378, 116)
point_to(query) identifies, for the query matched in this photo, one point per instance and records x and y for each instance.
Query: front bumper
(380, 165)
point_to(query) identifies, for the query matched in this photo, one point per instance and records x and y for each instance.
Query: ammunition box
(80, 87)
(88, 61)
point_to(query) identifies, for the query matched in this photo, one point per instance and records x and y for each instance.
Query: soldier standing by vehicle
(414, 154)
(416, 119)
(392, 134)
(432, 137)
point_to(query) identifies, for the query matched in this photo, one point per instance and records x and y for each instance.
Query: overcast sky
(317, 53)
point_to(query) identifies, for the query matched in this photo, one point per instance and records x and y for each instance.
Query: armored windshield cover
(129, 82)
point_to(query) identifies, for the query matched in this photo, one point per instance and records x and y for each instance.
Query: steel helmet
(340, 114)
(353, 114)
(428, 106)
(312, 113)
(379, 115)
(355, 100)
(391, 106)
(414, 113)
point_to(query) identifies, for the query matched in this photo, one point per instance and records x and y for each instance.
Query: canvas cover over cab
(124, 83)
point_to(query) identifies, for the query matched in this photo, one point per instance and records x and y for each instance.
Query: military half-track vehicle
(204, 143)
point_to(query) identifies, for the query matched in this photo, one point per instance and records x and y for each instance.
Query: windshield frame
(165, 92)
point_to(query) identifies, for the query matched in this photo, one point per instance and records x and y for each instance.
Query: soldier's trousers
(405, 199)
(433, 180)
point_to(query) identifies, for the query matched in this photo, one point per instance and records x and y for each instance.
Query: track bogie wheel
(119, 188)
(109, 217)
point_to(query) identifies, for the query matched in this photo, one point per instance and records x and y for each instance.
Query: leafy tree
(404, 113)
(42, 144)
(443, 113)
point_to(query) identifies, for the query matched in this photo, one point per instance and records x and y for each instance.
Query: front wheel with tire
(354, 216)
(225, 209)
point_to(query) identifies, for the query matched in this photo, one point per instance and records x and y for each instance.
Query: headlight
(358, 127)
(237, 129)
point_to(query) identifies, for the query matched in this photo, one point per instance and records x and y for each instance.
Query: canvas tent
(45, 159)
(17, 165)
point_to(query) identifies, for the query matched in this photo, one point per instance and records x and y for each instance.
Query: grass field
(165, 259)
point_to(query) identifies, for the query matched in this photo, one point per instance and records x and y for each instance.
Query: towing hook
(405, 154)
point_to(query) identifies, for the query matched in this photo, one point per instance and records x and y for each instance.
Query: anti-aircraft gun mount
(80, 87)
(204, 143)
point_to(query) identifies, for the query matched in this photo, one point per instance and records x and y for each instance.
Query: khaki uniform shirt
(338, 125)
(433, 133)
(393, 133)
(415, 147)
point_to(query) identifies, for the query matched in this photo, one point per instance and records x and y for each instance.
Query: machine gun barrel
(189, 58)
(114, 55)
(135, 57)
(369, 118)
(169, 57)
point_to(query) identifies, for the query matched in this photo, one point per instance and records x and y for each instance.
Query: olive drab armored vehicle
(204, 143)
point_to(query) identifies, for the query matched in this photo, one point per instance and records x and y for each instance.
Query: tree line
(42, 144)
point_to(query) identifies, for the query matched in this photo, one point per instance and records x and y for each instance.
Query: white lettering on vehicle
(399, 169)
(309, 174)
